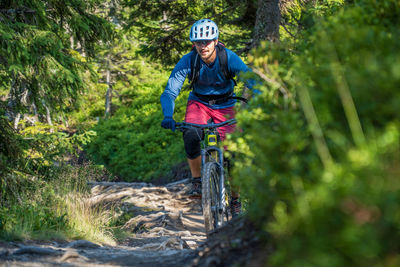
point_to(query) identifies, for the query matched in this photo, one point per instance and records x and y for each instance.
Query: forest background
(318, 155)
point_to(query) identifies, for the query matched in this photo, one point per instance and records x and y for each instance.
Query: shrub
(132, 143)
(317, 157)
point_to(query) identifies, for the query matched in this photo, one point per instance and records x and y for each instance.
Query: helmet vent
(204, 29)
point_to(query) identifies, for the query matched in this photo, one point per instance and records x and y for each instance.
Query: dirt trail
(168, 229)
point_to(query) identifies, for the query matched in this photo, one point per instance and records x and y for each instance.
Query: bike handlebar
(185, 125)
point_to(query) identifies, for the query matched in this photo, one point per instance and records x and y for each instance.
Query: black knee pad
(191, 140)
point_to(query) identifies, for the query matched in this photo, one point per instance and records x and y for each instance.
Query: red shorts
(199, 113)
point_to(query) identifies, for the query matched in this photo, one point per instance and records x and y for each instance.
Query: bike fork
(222, 204)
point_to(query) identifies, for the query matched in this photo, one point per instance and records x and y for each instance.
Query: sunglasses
(204, 42)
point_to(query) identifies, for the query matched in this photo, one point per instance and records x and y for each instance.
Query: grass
(54, 208)
(88, 222)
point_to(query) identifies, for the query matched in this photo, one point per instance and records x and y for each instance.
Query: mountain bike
(215, 197)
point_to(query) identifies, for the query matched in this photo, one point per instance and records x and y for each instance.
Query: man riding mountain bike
(210, 68)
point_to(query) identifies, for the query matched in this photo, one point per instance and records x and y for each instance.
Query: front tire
(213, 215)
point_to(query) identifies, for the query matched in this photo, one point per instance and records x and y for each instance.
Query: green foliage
(27, 208)
(35, 149)
(32, 219)
(135, 117)
(350, 217)
(41, 73)
(299, 15)
(40, 207)
(38, 65)
(145, 143)
(10, 151)
(44, 146)
(318, 155)
(138, 82)
(164, 26)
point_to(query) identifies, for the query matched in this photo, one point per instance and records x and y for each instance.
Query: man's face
(206, 48)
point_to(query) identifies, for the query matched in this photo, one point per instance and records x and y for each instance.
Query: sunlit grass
(57, 208)
(88, 222)
(71, 217)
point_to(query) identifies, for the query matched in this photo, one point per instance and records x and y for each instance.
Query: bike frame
(219, 159)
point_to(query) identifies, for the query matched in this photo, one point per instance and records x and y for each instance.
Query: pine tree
(164, 25)
(44, 52)
(42, 69)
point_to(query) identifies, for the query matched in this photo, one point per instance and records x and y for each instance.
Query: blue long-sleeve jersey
(211, 81)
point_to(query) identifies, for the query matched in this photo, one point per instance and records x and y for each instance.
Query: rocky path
(166, 226)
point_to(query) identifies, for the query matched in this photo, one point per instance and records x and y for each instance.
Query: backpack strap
(194, 68)
(223, 62)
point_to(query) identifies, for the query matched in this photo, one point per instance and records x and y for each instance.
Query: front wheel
(212, 208)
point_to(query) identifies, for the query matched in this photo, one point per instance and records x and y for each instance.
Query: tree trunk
(108, 94)
(268, 18)
(17, 118)
(250, 10)
(48, 117)
(11, 106)
(35, 113)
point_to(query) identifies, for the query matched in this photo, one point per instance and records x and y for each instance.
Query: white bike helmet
(204, 29)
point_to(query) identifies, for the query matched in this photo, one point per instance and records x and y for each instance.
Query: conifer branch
(175, 32)
(17, 11)
(283, 24)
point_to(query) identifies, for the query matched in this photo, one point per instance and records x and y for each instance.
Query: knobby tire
(210, 196)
